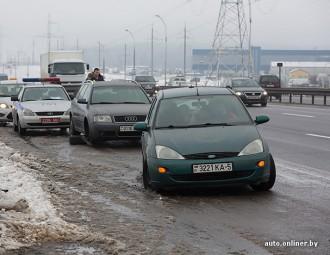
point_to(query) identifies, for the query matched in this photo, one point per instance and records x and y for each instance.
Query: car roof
(115, 82)
(194, 91)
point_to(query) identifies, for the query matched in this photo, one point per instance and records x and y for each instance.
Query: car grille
(252, 94)
(130, 118)
(10, 116)
(49, 113)
(211, 155)
(212, 176)
(2, 114)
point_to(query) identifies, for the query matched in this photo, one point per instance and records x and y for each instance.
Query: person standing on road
(95, 75)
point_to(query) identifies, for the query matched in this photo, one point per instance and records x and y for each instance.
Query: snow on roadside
(27, 216)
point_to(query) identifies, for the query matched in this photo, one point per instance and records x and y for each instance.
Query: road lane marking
(298, 115)
(319, 136)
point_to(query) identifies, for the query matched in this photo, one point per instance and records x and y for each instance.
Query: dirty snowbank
(27, 216)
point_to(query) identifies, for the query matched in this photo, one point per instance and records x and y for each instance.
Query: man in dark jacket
(95, 75)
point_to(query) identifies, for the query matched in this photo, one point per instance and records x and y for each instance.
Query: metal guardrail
(301, 93)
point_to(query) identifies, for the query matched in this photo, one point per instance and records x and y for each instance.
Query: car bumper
(35, 122)
(260, 100)
(6, 115)
(111, 131)
(180, 174)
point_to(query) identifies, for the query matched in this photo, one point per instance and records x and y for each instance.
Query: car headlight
(238, 93)
(4, 106)
(265, 93)
(28, 112)
(102, 118)
(252, 148)
(164, 152)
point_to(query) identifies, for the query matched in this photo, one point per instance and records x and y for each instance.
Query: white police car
(41, 107)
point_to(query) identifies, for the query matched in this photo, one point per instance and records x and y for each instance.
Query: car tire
(145, 175)
(74, 136)
(63, 131)
(3, 124)
(265, 186)
(15, 128)
(21, 131)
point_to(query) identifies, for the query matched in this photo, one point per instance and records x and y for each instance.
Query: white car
(178, 81)
(6, 92)
(40, 107)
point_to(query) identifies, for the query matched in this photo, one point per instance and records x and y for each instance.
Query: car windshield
(144, 79)
(68, 68)
(244, 83)
(223, 110)
(8, 90)
(44, 93)
(119, 95)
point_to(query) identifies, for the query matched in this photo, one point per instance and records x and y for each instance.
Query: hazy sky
(289, 24)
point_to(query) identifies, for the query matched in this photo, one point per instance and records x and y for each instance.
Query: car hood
(204, 140)
(248, 89)
(47, 106)
(120, 109)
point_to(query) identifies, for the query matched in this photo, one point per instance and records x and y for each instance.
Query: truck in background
(68, 66)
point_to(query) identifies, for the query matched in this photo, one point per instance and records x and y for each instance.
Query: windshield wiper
(224, 124)
(53, 99)
(131, 103)
(105, 103)
(197, 125)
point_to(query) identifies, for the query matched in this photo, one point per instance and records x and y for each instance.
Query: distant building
(203, 60)
(315, 72)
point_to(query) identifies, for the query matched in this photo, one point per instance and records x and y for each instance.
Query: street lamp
(133, 38)
(165, 28)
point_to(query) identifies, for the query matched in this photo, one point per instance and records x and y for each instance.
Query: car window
(86, 94)
(7, 90)
(244, 83)
(119, 94)
(44, 93)
(265, 79)
(151, 109)
(145, 79)
(82, 91)
(200, 110)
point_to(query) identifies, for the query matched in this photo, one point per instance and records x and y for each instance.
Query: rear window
(145, 79)
(265, 79)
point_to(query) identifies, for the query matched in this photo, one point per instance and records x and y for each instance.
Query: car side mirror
(229, 87)
(48, 69)
(71, 96)
(82, 101)
(87, 67)
(261, 119)
(14, 98)
(141, 126)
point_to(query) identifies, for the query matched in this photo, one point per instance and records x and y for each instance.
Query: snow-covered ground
(27, 216)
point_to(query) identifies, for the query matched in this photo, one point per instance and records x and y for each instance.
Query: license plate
(270, 85)
(126, 129)
(50, 120)
(212, 168)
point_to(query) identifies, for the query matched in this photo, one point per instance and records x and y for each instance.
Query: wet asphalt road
(101, 188)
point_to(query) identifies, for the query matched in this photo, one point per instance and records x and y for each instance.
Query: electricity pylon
(232, 40)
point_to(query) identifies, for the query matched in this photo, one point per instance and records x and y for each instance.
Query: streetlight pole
(165, 61)
(133, 38)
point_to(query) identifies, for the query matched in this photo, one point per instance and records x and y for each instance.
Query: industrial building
(203, 60)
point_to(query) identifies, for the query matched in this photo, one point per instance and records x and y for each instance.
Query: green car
(203, 137)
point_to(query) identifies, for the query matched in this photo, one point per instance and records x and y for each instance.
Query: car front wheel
(21, 130)
(74, 136)
(145, 176)
(265, 186)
